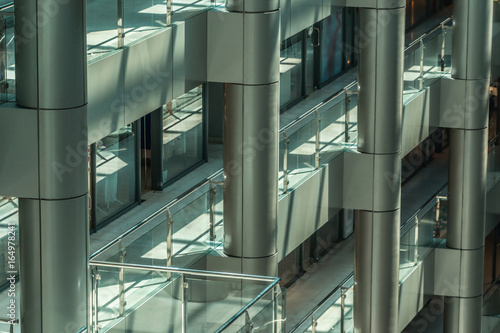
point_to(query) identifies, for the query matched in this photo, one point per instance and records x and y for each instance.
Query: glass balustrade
(178, 235)
(112, 24)
(317, 137)
(419, 235)
(427, 59)
(126, 298)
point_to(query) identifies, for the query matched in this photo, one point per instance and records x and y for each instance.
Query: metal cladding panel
(467, 189)
(225, 47)
(267, 266)
(415, 291)
(462, 315)
(464, 103)
(64, 264)
(106, 110)
(62, 54)
(260, 153)
(416, 122)
(148, 75)
(380, 72)
(19, 151)
(306, 208)
(471, 273)
(252, 6)
(304, 13)
(472, 38)
(63, 153)
(30, 265)
(376, 272)
(233, 170)
(261, 48)
(358, 181)
(179, 58)
(195, 52)
(51, 54)
(386, 182)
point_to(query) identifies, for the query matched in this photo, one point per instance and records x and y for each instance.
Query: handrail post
(415, 249)
(213, 192)
(275, 308)
(170, 222)
(169, 12)
(121, 278)
(248, 323)
(443, 46)
(318, 132)
(286, 142)
(342, 309)
(314, 324)
(95, 306)
(347, 109)
(184, 286)
(121, 28)
(422, 55)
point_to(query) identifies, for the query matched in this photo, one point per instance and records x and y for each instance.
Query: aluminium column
(376, 253)
(51, 80)
(251, 121)
(471, 63)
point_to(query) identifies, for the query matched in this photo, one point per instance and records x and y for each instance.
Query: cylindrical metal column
(471, 62)
(51, 79)
(251, 127)
(376, 252)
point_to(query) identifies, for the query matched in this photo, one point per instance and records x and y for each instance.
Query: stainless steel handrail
(430, 32)
(186, 271)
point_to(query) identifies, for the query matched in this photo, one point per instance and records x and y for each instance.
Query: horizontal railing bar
(186, 271)
(430, 32)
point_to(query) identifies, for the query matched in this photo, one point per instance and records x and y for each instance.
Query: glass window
(291, 69)
(115, 173)
(331, 46)
(182, 145)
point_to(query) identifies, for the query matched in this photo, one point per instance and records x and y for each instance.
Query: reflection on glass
(182, 145)
(7, 56)
(291, 69)
(115, 174)
(331, 46)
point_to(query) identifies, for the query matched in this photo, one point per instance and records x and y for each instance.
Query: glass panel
(7, 56)
(189, 228)
(139, 286)
(115, 174)
(209, 302)
(142, 18)
(332, 130)
(270, 319)
(183, 9)
(102, 25)
(182, 145)
(291, 69)
(331, 46)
